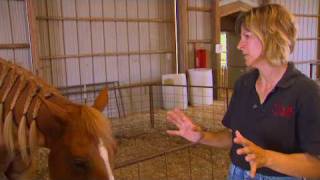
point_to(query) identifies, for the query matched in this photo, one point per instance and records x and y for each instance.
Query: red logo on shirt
(282, 111)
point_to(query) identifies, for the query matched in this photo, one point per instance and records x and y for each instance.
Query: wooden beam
(233, 8)
(183, 36)
(14, 46)
(264, 2)
(160, 51)
(34, 35)
(201, 9)
(308, 39)
(202, 41)
(318, 45)
(307, 15)
(216, 32)
(228, 24)
(60, 18)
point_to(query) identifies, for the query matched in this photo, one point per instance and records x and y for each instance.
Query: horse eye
(80, 164)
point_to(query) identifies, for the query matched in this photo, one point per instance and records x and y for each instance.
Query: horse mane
(96, 125)
(21, 138)
(25, 137)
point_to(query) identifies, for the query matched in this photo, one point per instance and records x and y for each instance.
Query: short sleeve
(226, 121)
(308, 118)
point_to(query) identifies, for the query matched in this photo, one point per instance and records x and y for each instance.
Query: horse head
(80, 140)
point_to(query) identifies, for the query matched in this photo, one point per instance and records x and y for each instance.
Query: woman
(273, 119)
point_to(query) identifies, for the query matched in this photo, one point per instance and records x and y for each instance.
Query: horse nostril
(80, 164)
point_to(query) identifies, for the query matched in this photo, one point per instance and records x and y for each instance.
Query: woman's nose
(240, 45)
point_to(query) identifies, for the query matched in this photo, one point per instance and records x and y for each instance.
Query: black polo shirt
(288, 121)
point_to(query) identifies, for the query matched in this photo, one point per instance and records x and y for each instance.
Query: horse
(34, 114)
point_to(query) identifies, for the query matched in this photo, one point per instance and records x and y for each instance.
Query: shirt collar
(288, 77)
(286, 80)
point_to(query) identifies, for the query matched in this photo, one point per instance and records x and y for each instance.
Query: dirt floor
(195, 162)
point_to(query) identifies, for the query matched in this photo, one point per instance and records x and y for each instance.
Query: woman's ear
(102, 100)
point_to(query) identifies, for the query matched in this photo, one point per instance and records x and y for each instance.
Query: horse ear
(102, 100)
(55, 109)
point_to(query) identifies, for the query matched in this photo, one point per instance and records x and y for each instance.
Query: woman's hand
(255, 155)
(186, 128)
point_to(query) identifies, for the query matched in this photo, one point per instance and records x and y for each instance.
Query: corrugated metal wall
(14, 35)
(306, 13)
(129, 41)
(82, 41)
(200, 31)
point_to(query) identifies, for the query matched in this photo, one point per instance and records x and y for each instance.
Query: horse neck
(20, 85)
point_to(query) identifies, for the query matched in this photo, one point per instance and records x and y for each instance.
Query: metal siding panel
(110, 36)
(19, 22)
(96, 8)
(155, 70)
(23, 58)
(86, 72)
(5, 33)
(132, 8)
(135, 68)
(109, 8)
(58, 73)
(84, 37)
(144, 36)
(122, 37)
(154, 36)
(72, 66)
(192, 28)
(69, 8)
(99, 66)
(97, 37)
(70, 36)
(121, 9)
(112, 68)
(45, 70)
(146, 70)
(133, 36)
(124, 71)
(153, 9)
(6, 54)
(143, 11)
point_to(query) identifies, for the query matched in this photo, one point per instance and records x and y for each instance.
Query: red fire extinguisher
(201, 58)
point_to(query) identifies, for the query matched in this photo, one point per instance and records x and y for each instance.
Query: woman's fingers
(173, 132)
(250, 157)
(244, 150)
(181, 115)
(174, 118)
(239, 139)
(253, 169)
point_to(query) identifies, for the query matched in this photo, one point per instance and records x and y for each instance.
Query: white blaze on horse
(34, 114)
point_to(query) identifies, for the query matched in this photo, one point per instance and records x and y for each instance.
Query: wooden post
(264, 2)
(33, 33)
(318, 46)
(216, 31)
(151, 106)
(183, 36)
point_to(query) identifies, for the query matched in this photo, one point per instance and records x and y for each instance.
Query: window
(223, 40)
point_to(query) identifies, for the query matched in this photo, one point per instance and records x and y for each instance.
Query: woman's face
(251, 47)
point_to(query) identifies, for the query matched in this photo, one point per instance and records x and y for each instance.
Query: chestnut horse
(34, 114)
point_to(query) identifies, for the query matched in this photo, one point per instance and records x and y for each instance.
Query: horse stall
(146, 52)
(145, 151)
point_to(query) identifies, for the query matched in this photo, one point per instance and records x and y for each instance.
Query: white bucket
(201, 77)
(174, 96)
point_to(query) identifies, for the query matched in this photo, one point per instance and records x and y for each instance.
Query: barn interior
(153, 55)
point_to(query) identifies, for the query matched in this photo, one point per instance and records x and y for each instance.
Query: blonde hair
(275, 27)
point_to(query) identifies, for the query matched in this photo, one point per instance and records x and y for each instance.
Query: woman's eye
(247, 36)
(81, 165)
